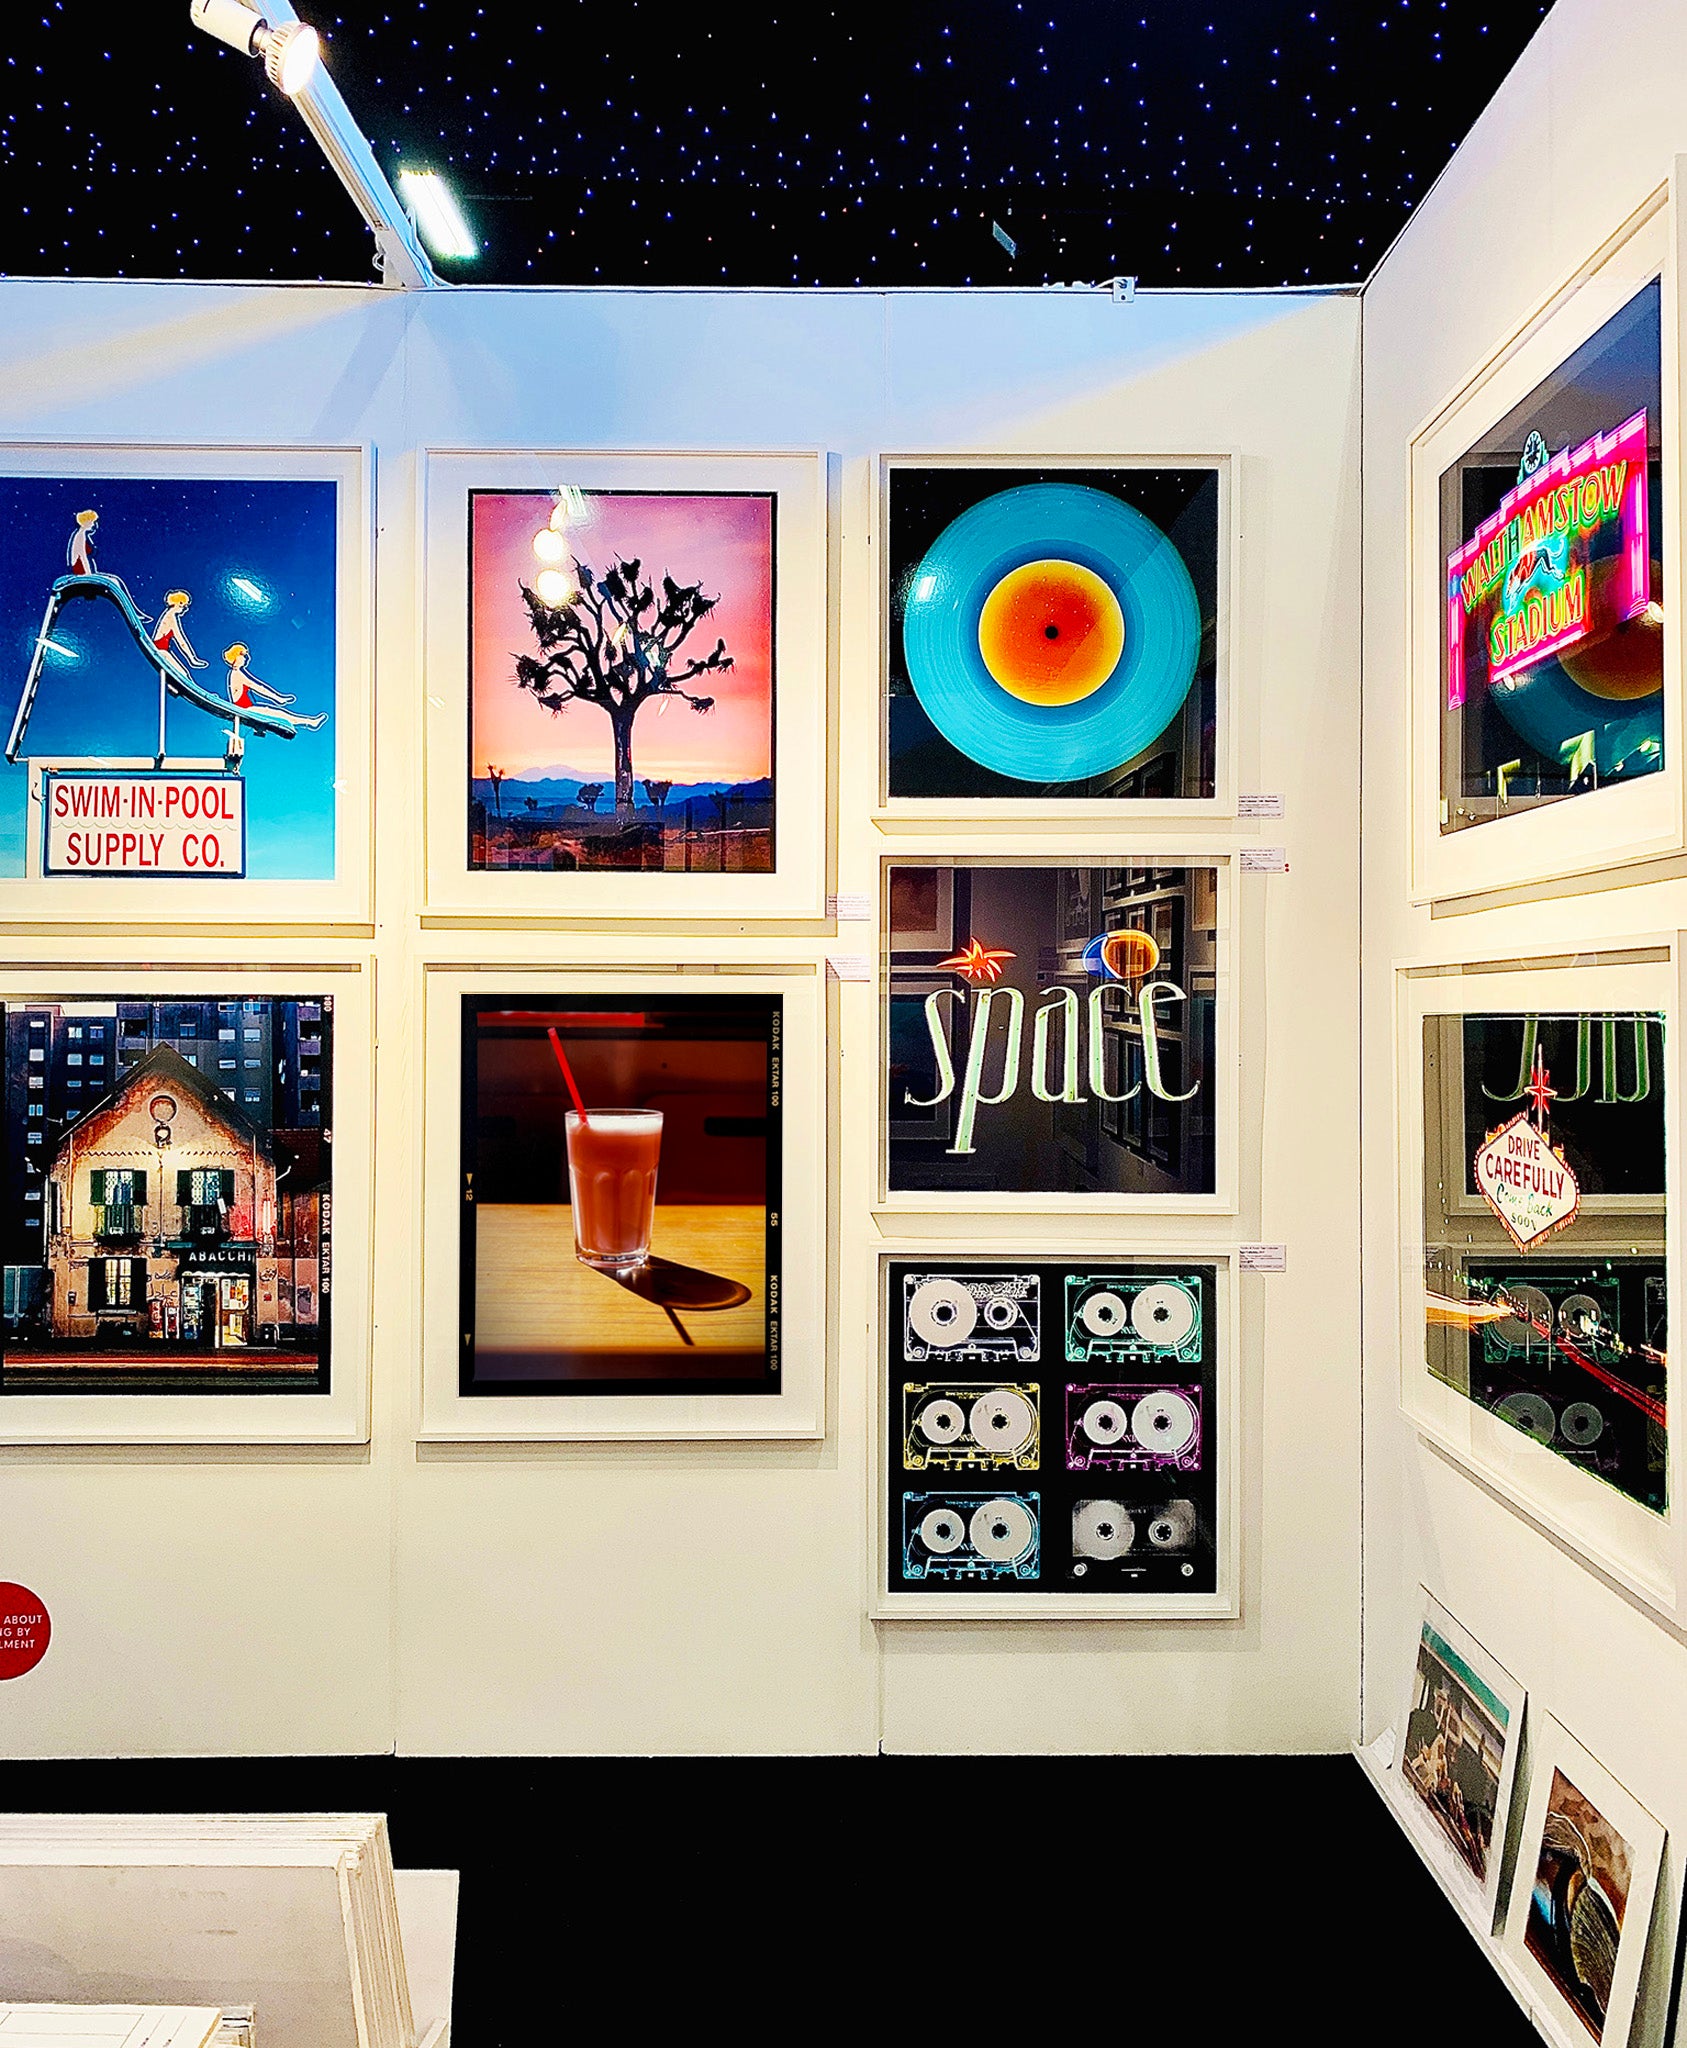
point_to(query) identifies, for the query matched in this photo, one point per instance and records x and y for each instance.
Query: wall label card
(1263, 1258)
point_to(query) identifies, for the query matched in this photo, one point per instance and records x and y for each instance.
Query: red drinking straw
(567, 1073)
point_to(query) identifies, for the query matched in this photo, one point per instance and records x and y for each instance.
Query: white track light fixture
(289, 50)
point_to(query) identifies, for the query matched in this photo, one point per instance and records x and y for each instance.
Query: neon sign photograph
(1554, 590)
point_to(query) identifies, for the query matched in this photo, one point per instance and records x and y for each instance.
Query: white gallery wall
(1583, 131)
(447, 1598)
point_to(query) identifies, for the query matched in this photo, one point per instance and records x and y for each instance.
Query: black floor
(964, 1900)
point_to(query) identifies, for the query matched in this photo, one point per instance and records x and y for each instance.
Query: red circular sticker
(26, 1628)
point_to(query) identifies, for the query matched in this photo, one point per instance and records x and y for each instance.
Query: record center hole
(1051, 632)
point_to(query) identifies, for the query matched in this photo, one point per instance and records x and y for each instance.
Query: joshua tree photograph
(621, 651)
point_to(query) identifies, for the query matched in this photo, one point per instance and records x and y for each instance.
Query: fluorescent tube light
(437, 214)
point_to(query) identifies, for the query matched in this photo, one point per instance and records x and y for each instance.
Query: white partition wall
(1588, 126)
(713, 1596)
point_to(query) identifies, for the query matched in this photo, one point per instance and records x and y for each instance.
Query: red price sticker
(26, 1629)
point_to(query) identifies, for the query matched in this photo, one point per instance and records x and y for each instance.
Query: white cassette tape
(967, 1318)
(1109, 1532)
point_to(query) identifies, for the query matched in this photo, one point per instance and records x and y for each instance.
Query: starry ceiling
(1186, 142)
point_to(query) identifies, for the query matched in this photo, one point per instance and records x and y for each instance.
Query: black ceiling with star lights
(1186, 142)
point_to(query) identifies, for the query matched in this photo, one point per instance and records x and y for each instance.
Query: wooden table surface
(532, 1294)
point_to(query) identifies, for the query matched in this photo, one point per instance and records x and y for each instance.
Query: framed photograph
(1054, 1436)
(184, 1204)
(1056, 636)
(187, 699)
(1587, 1880)
(1546, 684)
(625, 1197)
(1460, 1738)
(1538, 1262)
(627, 684)
(1074, 1047)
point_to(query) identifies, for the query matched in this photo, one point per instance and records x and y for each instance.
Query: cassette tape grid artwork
(1050, 1428)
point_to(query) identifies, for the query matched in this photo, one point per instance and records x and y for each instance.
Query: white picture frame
(342, 1414)
(1557, 1759)
(796, 887)
(1633, 821)
(932, 813)
(1056, 852)
(797, 1411)
(342, 903)
(1222, 1603)
(1637, 1547)
(1469, 1666)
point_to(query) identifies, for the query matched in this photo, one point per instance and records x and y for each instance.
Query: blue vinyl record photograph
(1052, 632)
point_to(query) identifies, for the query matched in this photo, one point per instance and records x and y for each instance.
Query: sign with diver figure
(128, 751)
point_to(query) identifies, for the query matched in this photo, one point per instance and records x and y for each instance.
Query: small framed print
(1582, 1900)
(1073, 1046)
(627, 684)
(1056, 636)
(1545, 669)
(1538, 1261)
(186, 1199)
(1054, 1436)
(1460, 1737)
(625, 1203)
(147, 777)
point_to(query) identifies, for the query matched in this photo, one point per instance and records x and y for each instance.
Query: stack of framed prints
(1554, 1864)
(1054, 1424)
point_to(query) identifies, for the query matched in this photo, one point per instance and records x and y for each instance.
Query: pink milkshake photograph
(620, 1220)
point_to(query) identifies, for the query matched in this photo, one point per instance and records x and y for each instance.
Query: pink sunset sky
(725, 543)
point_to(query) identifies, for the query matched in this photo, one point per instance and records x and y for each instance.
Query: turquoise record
(1148, 683)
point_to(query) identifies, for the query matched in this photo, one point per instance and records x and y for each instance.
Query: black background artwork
(1580, 1360)
(1182, 503)
(1125, 1503)
(1615, 374)
(1041, 921)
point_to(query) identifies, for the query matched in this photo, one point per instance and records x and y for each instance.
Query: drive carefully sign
(1528, 1185)
(143, 823)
